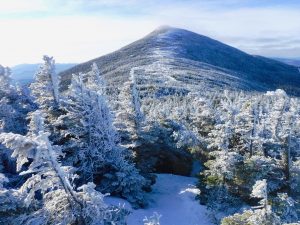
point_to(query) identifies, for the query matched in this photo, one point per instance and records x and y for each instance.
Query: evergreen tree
(61, 204)
(130, 118)
(261, 215)
(45, 88)
(95, 81)
(285, 207)
(97, 153)
(5, 80)
(15, 104)
(7, 115)
(247, 127)
(295, 179)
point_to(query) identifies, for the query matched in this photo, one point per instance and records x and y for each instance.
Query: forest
(64, 149)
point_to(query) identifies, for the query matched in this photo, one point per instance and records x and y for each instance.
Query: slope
(172, 57)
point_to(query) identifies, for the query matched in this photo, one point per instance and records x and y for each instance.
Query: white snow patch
(173, 197)
(193, 191)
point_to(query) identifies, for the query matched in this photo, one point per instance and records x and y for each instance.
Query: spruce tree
(60, 203)
(95, 145)
(130, 118)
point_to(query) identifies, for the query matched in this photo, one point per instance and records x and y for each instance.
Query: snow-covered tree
(247, 127)
(5, 79)
(260, 191)
(261, 215)
(280, 102)
(14, 107)
(94, 142)
(251, 217)
(253, 138)
(202, 114)
(95, 81)
(61, 203)
(295, 179)
(7, 115)
(223, 134)
(285, 207)
(45, 88)
(14, 104)
(223, 168)
(44, 158)
(90, 126)
(186, 138)
(222, 141)
(5, 88)
(283, 122)
(129, 116)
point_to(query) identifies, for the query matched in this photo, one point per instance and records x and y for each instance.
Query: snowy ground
(173, 197)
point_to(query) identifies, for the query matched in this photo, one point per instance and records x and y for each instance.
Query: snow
(172, 197)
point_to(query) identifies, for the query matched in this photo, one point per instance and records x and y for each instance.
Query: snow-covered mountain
(176, 58)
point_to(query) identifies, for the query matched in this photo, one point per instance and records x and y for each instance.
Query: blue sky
(78, 30)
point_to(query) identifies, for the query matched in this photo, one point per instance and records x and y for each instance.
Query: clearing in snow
(172, 197)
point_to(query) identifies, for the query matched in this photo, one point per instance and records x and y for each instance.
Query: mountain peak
(162, 29)
(206, 60)
(165, 29)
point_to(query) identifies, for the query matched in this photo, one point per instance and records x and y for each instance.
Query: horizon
(77, 31)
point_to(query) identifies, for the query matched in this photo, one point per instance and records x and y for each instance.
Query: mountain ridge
(190, 56)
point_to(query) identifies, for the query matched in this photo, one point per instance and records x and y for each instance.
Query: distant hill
(24, 73)
(172, 58)
(292, 62)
